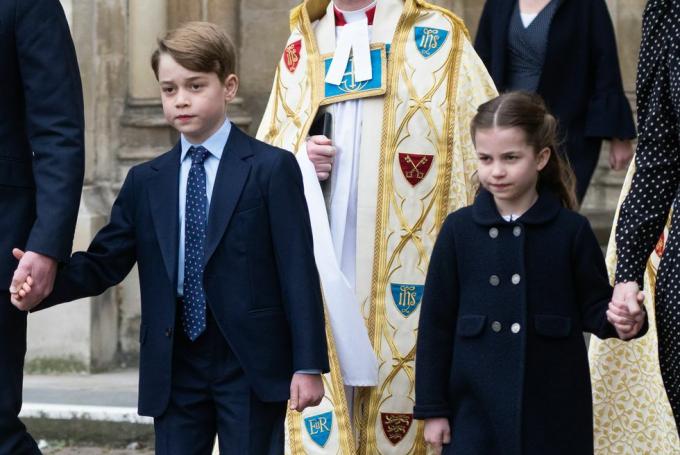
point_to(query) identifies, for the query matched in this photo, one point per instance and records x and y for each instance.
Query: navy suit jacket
(260, 277)
(41, 132)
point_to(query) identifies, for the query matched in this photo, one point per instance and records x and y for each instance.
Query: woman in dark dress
(654, 188)
(564, 50)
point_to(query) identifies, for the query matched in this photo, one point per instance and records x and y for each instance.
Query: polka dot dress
(655, 184)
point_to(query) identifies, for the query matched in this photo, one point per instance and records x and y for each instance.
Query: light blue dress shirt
(215, 145)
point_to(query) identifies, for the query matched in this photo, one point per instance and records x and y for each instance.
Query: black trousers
(14, 440)
(211, 396)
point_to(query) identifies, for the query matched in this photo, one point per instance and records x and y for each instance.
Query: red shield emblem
(291, 55)
(415, 167)
(660, 245)
(395, 426)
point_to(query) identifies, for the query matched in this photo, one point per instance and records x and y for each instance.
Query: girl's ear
(542, 158)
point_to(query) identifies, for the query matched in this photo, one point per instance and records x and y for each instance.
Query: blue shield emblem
(429, 40)
(319, 427)
(407, 297)
(350, 86)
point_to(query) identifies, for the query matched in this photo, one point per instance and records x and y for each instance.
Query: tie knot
(198, 154)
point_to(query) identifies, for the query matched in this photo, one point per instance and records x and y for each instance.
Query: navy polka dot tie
(195, 228)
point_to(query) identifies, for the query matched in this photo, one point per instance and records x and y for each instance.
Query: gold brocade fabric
(416, 166)
(631, 412)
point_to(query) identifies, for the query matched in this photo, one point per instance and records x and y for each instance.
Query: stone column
(147, 22)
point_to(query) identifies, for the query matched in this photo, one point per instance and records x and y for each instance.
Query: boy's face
(194, 103)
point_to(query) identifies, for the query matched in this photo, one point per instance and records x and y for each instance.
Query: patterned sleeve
(655, 182)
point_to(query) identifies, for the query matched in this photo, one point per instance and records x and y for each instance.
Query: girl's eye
(511, 157)
(484, 158)
(196, 86)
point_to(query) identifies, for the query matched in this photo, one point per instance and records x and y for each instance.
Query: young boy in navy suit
(232, 315)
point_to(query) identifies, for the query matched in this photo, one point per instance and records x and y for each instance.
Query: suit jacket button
(493, 232)
(496, 326)
(494, 280)
(515, 279)
(168, 333)
(515, 328)
(517, 231)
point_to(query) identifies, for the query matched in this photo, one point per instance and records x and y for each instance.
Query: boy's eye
(196, 86)
(511, 157)
(168, 89)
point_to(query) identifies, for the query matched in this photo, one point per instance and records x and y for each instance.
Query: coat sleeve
(107, 261)
(593, 290)
(609, 114)
(54, 123)
(436, 329)
(483, 37)
(294, 253)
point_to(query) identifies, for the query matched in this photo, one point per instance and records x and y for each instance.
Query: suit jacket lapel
(163, 201)
(232, 174)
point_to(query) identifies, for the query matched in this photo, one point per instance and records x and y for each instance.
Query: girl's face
(508, 167)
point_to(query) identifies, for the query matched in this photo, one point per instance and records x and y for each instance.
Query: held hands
(437, 432)
(321, 153)
(33, 279)
(305, 390)
(620, 154)
(625, 312)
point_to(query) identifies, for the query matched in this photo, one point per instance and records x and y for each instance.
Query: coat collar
(545, 209)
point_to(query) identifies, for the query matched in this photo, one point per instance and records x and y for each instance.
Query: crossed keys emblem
(415, 167)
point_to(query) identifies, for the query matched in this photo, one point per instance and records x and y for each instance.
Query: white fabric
(347, 119)
(527, 18)
(353, 38)
(358, 362)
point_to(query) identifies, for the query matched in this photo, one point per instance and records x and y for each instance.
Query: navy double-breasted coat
(500, 349)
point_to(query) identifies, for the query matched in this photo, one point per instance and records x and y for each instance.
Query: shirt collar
(343, 17)
(214, 144)
(546, 208)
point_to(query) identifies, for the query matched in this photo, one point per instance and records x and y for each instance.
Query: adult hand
(305, 390)
(620, 154)
(437, 432)
(36, 268)
(626, 304)
(321, 153)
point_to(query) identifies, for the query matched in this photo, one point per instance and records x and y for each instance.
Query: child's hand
(627, 317)
(22, 290)
(305, 390)
(437, 432)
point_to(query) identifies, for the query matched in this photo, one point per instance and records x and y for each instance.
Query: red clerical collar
(340, 18)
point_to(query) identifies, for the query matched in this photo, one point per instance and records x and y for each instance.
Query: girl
(513, 282)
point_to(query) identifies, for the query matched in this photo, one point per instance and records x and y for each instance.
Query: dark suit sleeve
(107, 261)
(436, 329)
(54, 122)
(609, 114)
(593, 290)
(483, 38)
(292, 239)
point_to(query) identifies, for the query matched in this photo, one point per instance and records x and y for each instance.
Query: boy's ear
(542, 158)
(230, 87)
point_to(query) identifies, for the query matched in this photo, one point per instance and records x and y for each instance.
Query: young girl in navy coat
(514, 280)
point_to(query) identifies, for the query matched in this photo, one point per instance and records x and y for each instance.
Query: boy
(220, 221)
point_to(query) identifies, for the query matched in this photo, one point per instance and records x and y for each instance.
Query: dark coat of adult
(500, 349)
(260, 277)
(581, 78)
(41, 171)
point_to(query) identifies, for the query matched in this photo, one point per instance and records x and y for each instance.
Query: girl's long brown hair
(528, 112)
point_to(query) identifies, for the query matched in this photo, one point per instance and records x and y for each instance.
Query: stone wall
(114, 39)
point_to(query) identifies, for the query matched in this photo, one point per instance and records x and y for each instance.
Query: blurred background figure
(564, 50)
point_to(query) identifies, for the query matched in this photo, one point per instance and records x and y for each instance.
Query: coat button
(494, 280)
(168, 333)
(515, 279)
(496, 326)
(515, 328)
(517, 231)
(493, 232)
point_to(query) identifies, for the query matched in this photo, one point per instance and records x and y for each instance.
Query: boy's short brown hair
(198, 46)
